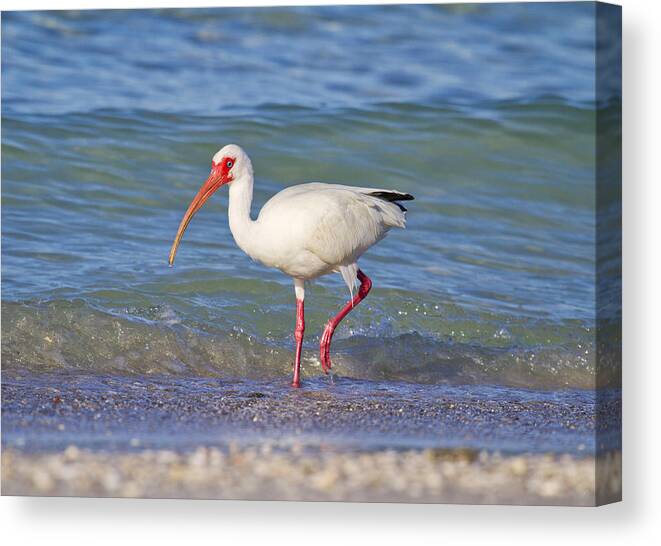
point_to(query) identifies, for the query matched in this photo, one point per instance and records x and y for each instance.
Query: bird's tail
(393, 197)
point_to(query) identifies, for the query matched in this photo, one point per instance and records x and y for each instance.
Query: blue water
(224, 61)
(484, 112)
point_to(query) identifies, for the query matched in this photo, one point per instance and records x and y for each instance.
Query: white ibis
(305, 231)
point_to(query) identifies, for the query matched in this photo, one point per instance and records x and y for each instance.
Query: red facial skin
(223, 169)
(219, 176)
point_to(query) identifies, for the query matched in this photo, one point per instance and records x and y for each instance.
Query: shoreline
(111, 436)
(419, 476)
(49, 412)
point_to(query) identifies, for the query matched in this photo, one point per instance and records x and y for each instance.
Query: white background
(635, 521)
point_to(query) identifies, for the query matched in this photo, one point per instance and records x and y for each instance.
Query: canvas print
(347, 253)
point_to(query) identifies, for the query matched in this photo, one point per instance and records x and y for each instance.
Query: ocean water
(486, 113)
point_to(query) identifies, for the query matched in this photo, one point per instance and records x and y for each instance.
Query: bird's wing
(392, 196)
(336, 223)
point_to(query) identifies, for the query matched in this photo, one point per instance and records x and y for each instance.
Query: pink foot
(327, 336)
(324, 347)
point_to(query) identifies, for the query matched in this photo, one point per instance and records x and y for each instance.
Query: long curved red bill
(212, 183)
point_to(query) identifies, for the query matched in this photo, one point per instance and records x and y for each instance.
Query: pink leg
(298, 335)
(327, 336)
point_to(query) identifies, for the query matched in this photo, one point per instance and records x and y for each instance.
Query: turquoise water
(485, 113)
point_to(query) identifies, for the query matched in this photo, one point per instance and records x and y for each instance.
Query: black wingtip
(392, 196)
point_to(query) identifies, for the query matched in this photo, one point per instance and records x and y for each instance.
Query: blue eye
(229, 163)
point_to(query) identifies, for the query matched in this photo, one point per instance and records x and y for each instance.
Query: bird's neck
(240, 201)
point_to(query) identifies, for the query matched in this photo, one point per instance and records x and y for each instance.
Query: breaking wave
(73, 336)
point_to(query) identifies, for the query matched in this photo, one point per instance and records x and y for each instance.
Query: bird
(306, 231)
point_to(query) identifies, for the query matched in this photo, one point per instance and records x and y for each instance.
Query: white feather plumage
(305, 231)
(311, 229)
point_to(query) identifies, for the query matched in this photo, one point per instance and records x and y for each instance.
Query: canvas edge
(608, 289)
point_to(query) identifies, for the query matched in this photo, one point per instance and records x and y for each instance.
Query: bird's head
(229, 165)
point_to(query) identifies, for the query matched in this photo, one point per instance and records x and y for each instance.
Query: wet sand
(352, 440)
